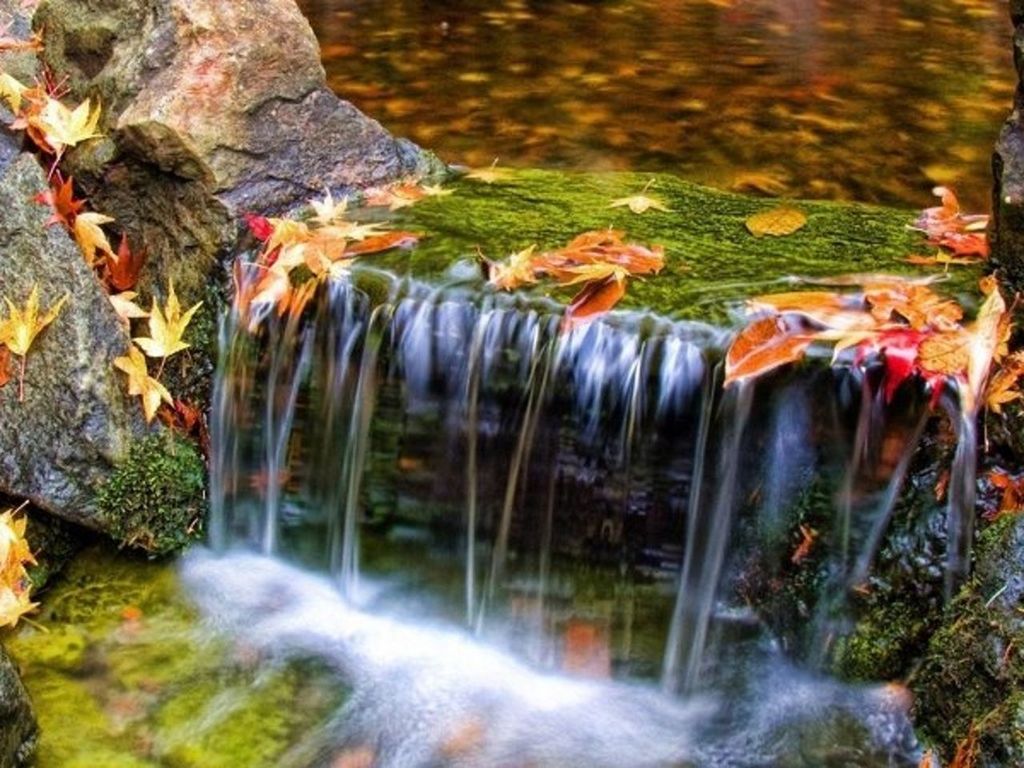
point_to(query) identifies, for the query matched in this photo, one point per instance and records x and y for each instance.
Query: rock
(17, 23)
(1007, 230)
(973, 674)
(17, 723)
(76, 422)
(213, 109)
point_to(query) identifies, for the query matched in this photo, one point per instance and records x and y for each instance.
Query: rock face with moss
(973, 675)
(212, 109)
(76, 421)
(1007, 233)
(17, 724)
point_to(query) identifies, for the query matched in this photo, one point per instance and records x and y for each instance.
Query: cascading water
(586, 501)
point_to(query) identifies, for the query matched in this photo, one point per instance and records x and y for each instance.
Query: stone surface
(973, 673)
(1007, 230)
(17, 23)
(76, 421)
(17, 723)
(213, 109)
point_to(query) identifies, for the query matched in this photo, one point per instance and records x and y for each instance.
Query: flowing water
(871, 101)
(445, 532)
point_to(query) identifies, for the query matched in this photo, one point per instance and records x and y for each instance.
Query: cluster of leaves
(903, 323)
(53, 128)
(50, 125)
(960, 238)
(15, 555)
(297, 255)
(167, 326)
(599, 261)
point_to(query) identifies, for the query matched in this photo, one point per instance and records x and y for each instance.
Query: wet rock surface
(76, 421)
(17, 723)
(212, 109)
(1007, 230)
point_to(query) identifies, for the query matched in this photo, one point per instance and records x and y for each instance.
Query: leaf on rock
(1002, 389)
(140, 383)
(596, 297)
(123, 271)
(640, 204)
(126, 308)
(11, 91)
(327, 211)
(61, 199)
(15, 555)
(764, 345)
(777, 222)
(91, 238)
(62, 127)
(167, 327)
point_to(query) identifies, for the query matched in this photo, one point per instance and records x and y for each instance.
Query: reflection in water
(874, 101)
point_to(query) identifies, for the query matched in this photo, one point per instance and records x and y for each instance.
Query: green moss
(711, 257)
(884, 643)
(973, 674)
(155, 499)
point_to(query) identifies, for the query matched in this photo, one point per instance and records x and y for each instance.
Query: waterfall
(517, 468)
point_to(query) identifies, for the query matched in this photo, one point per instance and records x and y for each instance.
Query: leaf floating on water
(777, 222)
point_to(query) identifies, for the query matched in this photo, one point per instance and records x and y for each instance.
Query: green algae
(122, 674)
(711, 258)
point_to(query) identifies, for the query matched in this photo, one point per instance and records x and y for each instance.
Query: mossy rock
(155, 500)
(711, 257)
(973, 675)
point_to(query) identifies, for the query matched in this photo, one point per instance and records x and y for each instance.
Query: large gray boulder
(76, 422)
(17, 723)
(213, 109)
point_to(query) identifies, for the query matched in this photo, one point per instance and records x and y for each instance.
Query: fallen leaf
(167, 327)
(383, 242)
(22, 326)
(594, 299)
(91, 238)
(640, 204)
(11, 91)
(140, 383)
(489, 175)
(61, 127)
(123, 270)
(5, 366)
(327, 211)
(126, 308)
(777, 222)
(61, 199)
(763, 346)
(1002, 388)
(807, 538)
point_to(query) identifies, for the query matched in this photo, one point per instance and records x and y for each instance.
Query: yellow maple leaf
(639, 204)
(22, 326)
(435, 190)
(517, 270)
(91, 238)
(489, 175)
(1002, 388)
(327, 211)
(166, 327)
(142, 384)
(125, 306)
(13, 605)
(777, 222)
(14, 549)
(11, 91)
(63, 127)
